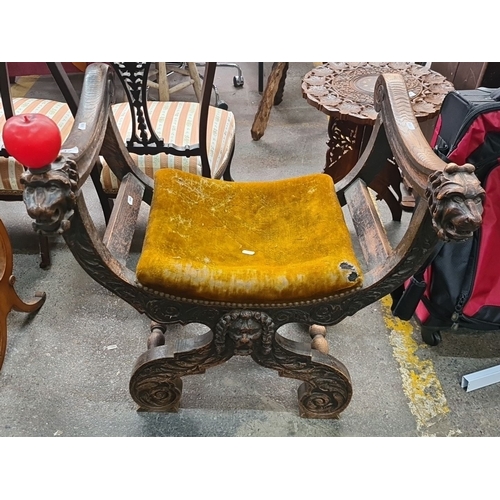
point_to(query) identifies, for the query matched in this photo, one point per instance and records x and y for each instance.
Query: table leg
(345, 145)
(344, 148)
(389, 177)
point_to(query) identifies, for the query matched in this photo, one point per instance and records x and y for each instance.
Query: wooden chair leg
(10, 299)
(43, 243)
(163, 89)
(195, 76)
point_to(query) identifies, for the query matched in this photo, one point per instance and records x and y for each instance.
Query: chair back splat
(144, 139)
(246, 258)
(152, 135)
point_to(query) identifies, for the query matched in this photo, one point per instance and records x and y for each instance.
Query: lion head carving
(455, 199)
(50, 197)
(245, 329)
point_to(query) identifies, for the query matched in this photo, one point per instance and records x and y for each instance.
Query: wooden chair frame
(156, 381)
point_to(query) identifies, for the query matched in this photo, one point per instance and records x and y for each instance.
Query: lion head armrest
(455, 198)
(50, 191)
(50, 196)
(453, 192)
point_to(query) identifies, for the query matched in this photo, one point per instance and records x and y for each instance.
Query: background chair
(187, 70)
(190, 136)
(237, 257)
(10, 169)
(62, 112)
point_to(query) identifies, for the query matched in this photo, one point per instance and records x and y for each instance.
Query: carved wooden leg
(389, 177)
(155, 384)
(44, 245)
(9, 298)
(327, 388)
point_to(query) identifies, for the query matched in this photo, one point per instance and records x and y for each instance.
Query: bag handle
(495, 94)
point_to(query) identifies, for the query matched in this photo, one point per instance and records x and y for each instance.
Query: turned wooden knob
(320, 344)
(156, 338)
(317, 330)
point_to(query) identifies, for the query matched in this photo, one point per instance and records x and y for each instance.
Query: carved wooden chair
(62, 112)
(237, 257)
(190, 136)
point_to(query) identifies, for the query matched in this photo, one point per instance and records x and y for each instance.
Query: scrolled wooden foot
(324, 397)
(156, 385)
(327, 388)
(153, 390)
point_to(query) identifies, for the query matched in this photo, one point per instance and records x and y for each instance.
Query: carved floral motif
(340, 89)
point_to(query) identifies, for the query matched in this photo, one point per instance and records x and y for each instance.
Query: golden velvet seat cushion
(176, 123)
(10, 169)
(246, 242)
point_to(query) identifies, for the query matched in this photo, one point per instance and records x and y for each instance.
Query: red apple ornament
(32, 139)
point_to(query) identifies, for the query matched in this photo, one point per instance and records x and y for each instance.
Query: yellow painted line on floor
(23, 85)
(420, 384)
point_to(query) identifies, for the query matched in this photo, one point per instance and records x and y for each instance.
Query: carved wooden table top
(344, 90)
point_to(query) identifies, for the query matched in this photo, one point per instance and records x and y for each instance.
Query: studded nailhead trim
(245, 305)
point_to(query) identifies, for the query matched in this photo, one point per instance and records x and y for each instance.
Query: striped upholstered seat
(176, 122)
(11, 170)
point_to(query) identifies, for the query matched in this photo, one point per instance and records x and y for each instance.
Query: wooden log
(262, 116)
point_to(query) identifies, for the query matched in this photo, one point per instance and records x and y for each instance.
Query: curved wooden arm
(411, 150)
(79, 154)
(86, 137)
